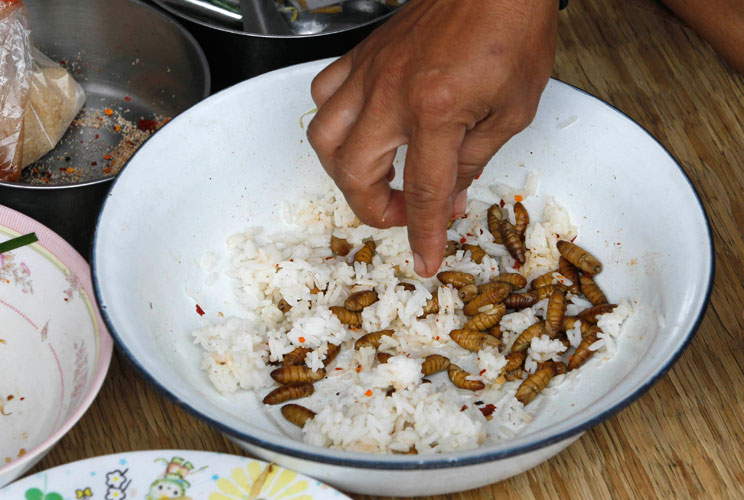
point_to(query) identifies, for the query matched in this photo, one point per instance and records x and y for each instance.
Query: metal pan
(138, 68)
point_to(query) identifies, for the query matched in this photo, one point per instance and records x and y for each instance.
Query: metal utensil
(262, 17)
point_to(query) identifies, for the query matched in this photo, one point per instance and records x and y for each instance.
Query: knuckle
(425, 194)
(319, 140)
(432, 94)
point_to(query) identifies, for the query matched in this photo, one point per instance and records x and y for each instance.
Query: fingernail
(461, 202)
(418, 265)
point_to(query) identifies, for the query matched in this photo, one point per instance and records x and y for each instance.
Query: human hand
(454, 80)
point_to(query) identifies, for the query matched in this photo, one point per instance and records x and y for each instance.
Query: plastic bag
(54, 98)
(38, 98)
(15, 63)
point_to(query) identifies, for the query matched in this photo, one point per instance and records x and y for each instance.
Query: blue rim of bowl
(435, 463)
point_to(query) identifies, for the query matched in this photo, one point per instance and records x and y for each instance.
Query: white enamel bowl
(229, 163)
(54, 348)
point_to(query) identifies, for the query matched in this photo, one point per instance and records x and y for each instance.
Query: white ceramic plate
(165, 474)
(230, 162)
(54, 349)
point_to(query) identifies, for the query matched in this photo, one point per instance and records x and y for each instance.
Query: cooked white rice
(353, 410)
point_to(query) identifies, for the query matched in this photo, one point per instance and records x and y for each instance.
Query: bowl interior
(54, 348)
(231, 161)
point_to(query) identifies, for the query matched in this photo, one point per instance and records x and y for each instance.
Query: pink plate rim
(58, 247)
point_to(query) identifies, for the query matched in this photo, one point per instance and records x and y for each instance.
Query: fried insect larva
(513, 243)
(521, 218)
(383, 357)
(476, 252)
(340, 246)
(543, 279)
(331, 352)
(514, 361)
(525, 338)
(484, 287)
(431, 306)
(579, 257)
(534, 384)
(458, 376)
(559, 367)
(366, 253)
(468, 292)
(408, 286)
(544, 291)
(570, 272)
(516, 280)
(583, 353)
(297, 414)
(555, 312)
(288, 374)
(451, 248)
(486, 319)
(492, 296)
(493, 216)
(513, 375)
(373, 339)
(495, 331)
(569, 322)
(283, 306)
(434, 363)
(590, 315)
(591, 290)
(348, 318)
(296, 357)
(457, 279)
(290, 391)
(473, 340)
(359, 300)
(520, 300)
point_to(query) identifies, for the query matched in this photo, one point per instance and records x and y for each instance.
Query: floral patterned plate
(54, 349)
(166, 474)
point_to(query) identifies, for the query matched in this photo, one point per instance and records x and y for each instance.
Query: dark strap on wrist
(562, 4)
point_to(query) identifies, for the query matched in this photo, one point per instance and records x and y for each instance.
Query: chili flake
(487, 410)
(464, 407)
(368, 393)
(108, 111)
(502, 203)
(518, 197)
(106, 157)
(482, 372)
(199, 310)
(516, 265)
(358, 368)
(127, 98)
(463, 240)
(302, 340)
(572, 239)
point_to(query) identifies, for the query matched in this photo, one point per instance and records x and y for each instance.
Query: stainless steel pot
(114, 48)
(235, 55)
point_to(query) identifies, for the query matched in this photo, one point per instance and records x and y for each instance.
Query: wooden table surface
(683, 439)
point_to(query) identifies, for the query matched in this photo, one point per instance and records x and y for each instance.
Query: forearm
(719, 22)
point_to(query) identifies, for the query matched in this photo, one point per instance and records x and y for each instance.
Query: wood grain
(683, 439)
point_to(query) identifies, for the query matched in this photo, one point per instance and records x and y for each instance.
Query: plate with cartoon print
(169, 474)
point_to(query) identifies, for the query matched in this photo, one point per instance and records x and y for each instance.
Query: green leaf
(53, 496)
(34, 494)
(20, 241)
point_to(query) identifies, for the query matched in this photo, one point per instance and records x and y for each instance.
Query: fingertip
(460, 204)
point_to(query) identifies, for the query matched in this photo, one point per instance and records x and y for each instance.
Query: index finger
(430, 176)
